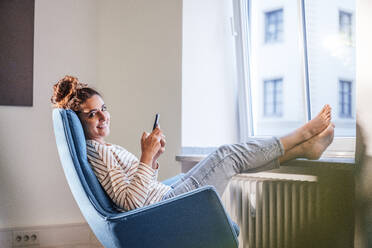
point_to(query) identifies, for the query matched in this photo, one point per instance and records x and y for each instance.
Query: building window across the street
(274, 26)
(273, 95)
(345, 25)
(345, 99)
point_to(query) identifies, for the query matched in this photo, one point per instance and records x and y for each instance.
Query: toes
(326, 116)
(325, 107)
(323, 110)
(328, 110)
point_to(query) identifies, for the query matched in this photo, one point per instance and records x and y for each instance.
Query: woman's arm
(126, 180)
(131, 193)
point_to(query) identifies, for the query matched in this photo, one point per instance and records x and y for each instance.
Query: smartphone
(156, 121)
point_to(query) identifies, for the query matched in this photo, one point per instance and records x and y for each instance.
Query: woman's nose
(102, 115)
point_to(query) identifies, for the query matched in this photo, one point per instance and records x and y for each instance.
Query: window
(345, 99)
(274, 26)
(345, 26)
(308, 59)
(273, 97)
(330, 58)
(311, 56)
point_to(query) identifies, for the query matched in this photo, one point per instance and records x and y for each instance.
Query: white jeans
(228, 160)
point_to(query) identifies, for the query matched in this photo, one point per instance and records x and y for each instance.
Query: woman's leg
(255, 155)
(227, 161)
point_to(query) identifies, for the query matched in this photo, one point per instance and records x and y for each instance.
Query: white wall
(33, 189)
(137, 67)
(140, 72)
(209, 87)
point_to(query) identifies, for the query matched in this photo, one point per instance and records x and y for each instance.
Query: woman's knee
(225, 149)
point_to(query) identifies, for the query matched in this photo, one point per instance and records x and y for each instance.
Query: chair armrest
(194, 219)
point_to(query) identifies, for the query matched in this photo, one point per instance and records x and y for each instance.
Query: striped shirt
(129, 183)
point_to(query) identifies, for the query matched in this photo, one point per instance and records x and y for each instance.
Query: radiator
(272, 210)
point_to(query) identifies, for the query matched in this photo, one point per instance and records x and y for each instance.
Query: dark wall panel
(16, 52)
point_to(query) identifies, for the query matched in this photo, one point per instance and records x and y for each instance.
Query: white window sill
(339, 155)
(344, 163)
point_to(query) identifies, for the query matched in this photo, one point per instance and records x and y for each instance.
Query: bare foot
(314, 147)
(317, 124)
(309, 130)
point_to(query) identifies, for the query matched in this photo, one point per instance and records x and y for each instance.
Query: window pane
(276, 81)
(273, 97)
(345, 103)
(273, 25)
(345, 26)
(331, 60)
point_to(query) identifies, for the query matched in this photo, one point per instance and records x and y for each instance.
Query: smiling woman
(132, 183)
(88, 104)
(95, 118)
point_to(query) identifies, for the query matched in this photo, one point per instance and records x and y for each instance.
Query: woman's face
(95, 119)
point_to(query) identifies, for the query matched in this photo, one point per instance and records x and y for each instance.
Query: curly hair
(69, 93)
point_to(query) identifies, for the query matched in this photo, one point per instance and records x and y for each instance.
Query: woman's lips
(102, 126)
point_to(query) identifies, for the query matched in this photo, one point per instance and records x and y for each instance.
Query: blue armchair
(192, 220)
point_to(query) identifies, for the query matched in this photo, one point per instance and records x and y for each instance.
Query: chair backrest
(94, 203)
(74, 135)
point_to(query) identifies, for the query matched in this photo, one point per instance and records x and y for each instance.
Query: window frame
(342, 147)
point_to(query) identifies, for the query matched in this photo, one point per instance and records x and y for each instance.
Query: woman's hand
(160, 152)
(151, 145)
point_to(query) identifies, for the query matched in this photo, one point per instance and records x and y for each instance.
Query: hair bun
(64, 90)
